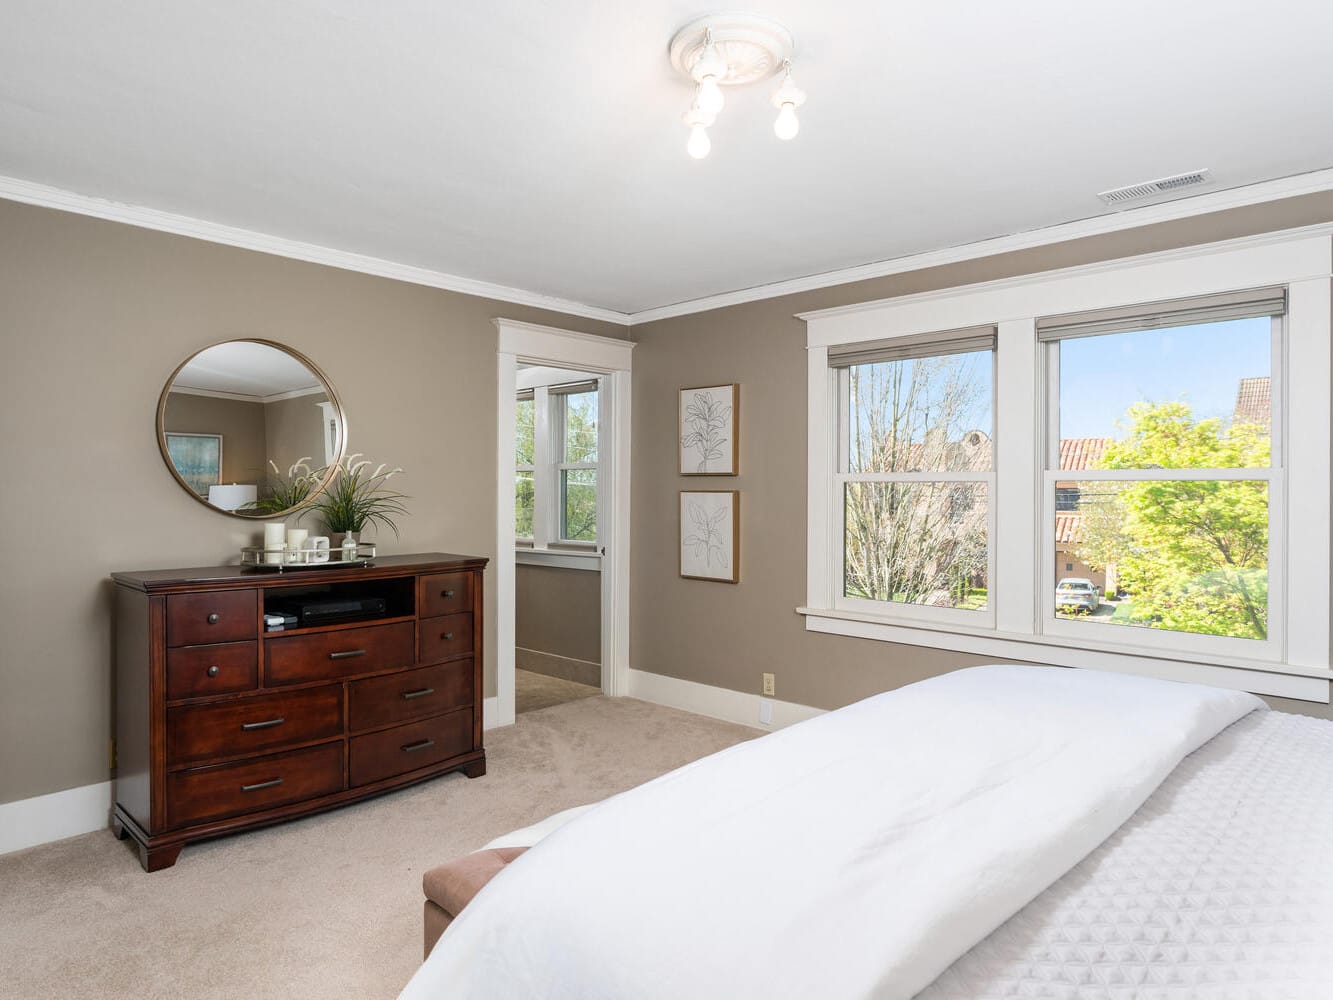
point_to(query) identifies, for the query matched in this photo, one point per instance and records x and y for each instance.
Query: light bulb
(699, 145)
(709, 99)
(786, 126)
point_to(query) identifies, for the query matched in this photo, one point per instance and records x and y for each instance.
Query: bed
(996, 832)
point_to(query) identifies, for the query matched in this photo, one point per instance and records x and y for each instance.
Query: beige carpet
(533, 691)
(326, 907)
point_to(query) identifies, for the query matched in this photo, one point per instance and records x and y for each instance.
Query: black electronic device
(328, 612)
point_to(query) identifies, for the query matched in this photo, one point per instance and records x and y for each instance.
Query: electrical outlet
(768, 685)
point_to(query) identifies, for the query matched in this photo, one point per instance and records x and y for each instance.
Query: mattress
(1219, 886)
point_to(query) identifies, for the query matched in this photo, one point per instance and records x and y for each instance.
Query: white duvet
(855, 855)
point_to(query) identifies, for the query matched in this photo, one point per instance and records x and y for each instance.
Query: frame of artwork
(198, 459)
(710, 529)
(707, 430)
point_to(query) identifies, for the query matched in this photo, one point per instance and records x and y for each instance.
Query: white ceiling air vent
(1152, 189)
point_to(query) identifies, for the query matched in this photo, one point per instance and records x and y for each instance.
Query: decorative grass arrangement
(284, 494)
(356, 498)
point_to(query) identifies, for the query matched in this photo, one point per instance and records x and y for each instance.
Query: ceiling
(246, 368)
(537, 145)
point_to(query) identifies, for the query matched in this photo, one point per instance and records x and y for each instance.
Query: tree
(916, 542)
(1192, 553)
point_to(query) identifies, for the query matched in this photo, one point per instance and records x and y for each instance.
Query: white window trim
(547, 448)
(1298, 667)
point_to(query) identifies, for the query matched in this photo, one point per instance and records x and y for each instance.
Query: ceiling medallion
(731, 50)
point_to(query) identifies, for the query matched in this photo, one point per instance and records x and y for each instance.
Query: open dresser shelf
(222, 726)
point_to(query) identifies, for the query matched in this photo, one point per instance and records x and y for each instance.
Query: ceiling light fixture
(728, 50)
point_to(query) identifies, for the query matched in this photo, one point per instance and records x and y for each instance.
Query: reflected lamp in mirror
(233, 496)
(242, 424)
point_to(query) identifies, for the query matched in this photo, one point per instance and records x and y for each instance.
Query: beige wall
(559, 611)
(102, 313)
(729, 635)
(294, 429)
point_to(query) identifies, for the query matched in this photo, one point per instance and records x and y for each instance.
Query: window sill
(1305, 683)
(587, 559)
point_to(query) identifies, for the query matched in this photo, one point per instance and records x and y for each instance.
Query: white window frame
(548, 448)
(523, 396)
(1295, 665)
(908, 613)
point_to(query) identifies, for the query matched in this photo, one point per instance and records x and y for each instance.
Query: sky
(1100, 377)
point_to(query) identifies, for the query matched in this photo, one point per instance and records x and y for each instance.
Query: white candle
(275, 539)
(296, 543)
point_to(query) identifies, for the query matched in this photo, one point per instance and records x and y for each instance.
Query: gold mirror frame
(334, 401)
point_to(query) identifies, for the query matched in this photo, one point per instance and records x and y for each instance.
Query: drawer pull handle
(213, 618)
(423, 745)
(347, 654)
(213, 670)
(267, 724)
(447, 593)
(263, 784)
(446, 636)
(409, 695)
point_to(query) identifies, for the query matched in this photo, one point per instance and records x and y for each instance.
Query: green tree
(1193, 554)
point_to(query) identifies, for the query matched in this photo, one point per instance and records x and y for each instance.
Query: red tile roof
(1254, 401)
(1081, 453)
(1067, 528)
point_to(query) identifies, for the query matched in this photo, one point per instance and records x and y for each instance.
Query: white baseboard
(44, 818)
(716, 702)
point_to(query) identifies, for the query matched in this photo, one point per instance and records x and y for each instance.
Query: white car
(1074, 593)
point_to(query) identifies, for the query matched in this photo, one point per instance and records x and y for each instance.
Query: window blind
(1152, 316)
(922, 345)
(587, 385)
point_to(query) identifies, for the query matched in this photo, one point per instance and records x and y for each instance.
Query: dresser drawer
(247, 725)
(329, 655)
(220, 668)
(414, 694)
(445, 593)
(406, 748)
(213, 616)
(449, 635)
(248, 786)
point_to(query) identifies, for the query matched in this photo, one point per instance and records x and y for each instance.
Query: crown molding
(15, 189)
(1132, 218)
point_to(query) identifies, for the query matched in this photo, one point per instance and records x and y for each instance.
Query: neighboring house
(1254, 402)
(1077, 455)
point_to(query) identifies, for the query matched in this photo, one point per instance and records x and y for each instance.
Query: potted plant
(356, 498)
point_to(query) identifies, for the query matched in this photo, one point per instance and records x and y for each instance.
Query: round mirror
(251, 428)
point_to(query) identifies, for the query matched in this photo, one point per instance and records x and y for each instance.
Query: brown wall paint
(241, 425)
(728, 635)
(559, 611)
(102, 313)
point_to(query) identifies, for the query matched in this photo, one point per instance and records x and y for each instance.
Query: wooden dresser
(223, 726)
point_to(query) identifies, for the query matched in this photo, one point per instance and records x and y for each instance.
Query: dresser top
(226, 577)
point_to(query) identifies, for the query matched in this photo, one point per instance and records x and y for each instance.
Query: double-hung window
(556, 465)
(915, 475)
(1164, 472)
(1123, 466)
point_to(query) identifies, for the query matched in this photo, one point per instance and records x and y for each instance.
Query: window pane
(523, 504)
(1184, 397)
(580, 426)
(523, 425)
(916, 543)
(578, 505)
(920, 415)
(1176, 555)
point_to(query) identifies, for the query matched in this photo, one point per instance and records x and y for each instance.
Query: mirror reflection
(248, 427)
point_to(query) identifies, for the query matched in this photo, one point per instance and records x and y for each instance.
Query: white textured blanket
(855, 855)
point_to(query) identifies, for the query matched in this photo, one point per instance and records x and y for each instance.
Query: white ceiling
(538, 145)
(246, 368)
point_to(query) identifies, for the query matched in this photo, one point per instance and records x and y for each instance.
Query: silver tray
(257, 557)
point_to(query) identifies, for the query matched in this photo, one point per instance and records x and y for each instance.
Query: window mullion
(541, 464)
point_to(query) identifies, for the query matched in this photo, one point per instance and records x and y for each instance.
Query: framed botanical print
(710, 535)
(706, 430)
